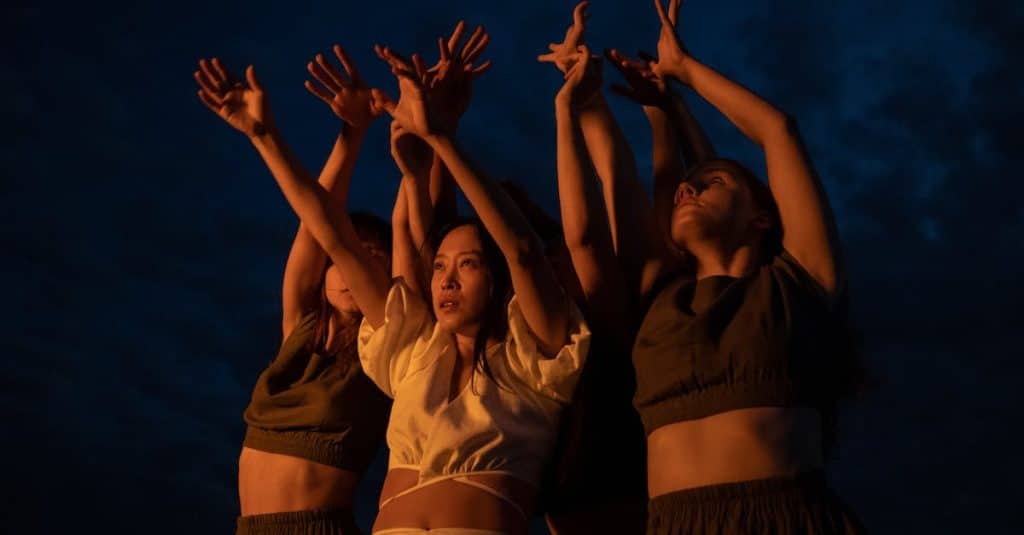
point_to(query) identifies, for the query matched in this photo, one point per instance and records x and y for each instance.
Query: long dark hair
(495, 321)
(369, 228)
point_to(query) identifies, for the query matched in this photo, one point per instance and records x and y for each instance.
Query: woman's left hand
(347, 94)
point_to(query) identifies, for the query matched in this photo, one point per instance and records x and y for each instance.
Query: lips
(448, 303)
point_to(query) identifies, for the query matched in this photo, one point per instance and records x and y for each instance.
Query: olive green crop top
(769, 339)
(323, 409)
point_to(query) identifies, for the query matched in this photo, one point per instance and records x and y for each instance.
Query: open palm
(243, 105)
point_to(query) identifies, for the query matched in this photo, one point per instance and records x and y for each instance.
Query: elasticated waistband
(776, 487)
(305, 445)
(314, 522)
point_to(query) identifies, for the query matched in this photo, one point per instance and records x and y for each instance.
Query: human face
(461, 282)
(712, 206)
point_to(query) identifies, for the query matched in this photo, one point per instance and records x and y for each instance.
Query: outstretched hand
(449, 82)
(645, 87)
(412, 112)
(243, 105)
(583, 80)
(347, 94)
(671, 52)
(563, 54)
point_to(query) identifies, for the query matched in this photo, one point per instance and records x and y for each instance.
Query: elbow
(527, 252)
(782, 124)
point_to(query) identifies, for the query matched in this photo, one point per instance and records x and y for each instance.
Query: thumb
(250, 76)
(382, 101)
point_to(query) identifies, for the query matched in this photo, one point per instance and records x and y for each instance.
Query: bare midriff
(450, 504)
(733, 446)
(275, 483)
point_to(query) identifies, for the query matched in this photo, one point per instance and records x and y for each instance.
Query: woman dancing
(315, 420)
(478, 379)
(740, 368)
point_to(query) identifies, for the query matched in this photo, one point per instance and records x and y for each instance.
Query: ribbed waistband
(302, 444)
(339, 521)
(777, 487)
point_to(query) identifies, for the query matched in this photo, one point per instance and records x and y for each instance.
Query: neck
(465, 345)
(713, 259)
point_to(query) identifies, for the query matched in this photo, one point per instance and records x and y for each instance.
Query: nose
(450, 280)
(685, 189)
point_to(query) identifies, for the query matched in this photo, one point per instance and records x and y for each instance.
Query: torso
(273, 483)
(464, 506)
(737, 445)
(733, 377)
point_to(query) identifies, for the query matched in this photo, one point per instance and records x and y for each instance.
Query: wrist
(353, 134)
(265, 137)
(656, 114)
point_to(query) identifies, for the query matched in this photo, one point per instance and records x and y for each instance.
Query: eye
(468, 262)
(438, 266)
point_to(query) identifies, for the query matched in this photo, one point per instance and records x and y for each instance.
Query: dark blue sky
(144, 241)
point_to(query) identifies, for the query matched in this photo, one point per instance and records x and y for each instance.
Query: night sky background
(144, 241)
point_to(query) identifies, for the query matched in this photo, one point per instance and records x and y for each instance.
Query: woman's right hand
(563, 54)
(672, 55)
(645, 87)
(243, 105)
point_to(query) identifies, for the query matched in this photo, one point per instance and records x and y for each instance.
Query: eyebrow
(460, 253)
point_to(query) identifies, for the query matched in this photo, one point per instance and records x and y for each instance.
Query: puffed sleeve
(553, 377)
(388, 352)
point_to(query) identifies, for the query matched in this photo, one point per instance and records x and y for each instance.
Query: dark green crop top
(769, 339)
(324, 409)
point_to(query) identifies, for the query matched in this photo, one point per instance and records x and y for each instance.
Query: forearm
(405, 260)
(755, 117)
(442, 191)
(304, 268)
(499, 214)
(540, 295)
(336, 175)
(611, 155)
(420, 208)
(579, 197)
(694, 142)
(332, 228)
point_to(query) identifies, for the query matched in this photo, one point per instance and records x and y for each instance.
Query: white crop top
(506, 428)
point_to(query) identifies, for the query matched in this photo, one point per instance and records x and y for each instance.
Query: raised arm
(633, 228)
(584, 219)
(544, 304)
(452, 92)
(244, 106)
(413, 213)
(674, 130)
(809, 232)
(303, 272)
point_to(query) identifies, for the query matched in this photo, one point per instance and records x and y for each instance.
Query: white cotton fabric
(508, 427)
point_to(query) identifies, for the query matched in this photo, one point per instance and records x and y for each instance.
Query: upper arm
(809, 232)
